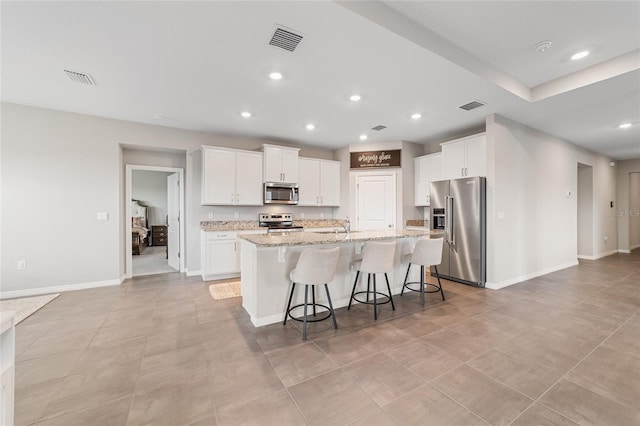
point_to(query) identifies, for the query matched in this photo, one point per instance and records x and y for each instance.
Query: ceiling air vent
(471, 105)
(80, 77)
(285, 38)
(379, 127)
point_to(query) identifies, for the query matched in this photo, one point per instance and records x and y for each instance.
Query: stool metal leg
(354, 290)
(389, 289)
(404, 284)
(333, 313)
(369, 285)
(304, 323)
(439, 283)
(422, 284)
(313, 299)
(286, 314)
(375, 299)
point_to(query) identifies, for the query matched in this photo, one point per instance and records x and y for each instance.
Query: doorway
(376, 201)
(634, 210)
(585, 211)
(156, 194)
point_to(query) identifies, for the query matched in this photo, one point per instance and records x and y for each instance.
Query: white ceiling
(199, 64)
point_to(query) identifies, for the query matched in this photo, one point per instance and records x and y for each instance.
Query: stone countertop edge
(247, 225)
(315, 238)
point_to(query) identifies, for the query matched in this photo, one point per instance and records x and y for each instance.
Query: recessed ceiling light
(624, 125)
(245, 114)
(275, 76)
(355, 98)
(416, 115)
(580, 55)
(542, 46)
(311, 126)
(363, 137)
(158, 117)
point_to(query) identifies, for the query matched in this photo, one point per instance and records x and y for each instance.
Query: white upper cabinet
(465, 157)
(231, 177)
(427, 169)
(319, 182)
(280, 164)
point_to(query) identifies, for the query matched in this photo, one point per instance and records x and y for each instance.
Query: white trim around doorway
(127, 205)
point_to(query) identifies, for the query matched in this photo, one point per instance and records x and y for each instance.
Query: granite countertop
(313, 238)
(246, 225)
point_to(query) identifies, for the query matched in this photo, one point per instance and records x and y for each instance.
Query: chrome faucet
(347, 226)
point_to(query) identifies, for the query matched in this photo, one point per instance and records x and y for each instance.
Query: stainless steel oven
(282, 222)
(280, 193)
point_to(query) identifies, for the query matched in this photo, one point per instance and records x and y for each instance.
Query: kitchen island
(267, 259)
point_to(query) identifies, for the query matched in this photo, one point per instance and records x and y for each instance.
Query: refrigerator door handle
(450, 229)
(447, 223)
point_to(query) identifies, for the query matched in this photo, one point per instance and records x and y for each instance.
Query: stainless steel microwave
(280, 193)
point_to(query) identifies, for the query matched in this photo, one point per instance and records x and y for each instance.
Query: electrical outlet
(236, 215)
(301, 215)
(210, 216)
(22, 264)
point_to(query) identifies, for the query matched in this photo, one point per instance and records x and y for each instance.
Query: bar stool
(314, 267)
(428, 252)
(377, 258)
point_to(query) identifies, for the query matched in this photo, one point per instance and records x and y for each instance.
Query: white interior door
(173, 220)
(376, 202)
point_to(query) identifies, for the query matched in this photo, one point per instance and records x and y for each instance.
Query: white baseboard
(635, 246)
(57, 289)
(220, 277)
(624, 251)
(512, 281)
(123, 277)
(601, 255)
(193, 273)
(605, 254)
(585, 257)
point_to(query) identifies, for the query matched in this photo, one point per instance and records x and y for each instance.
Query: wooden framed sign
(375, 159)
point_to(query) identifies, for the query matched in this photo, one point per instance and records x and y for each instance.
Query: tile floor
(561, 349)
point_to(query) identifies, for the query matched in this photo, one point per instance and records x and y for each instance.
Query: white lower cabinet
(7, 367)
(220, 255)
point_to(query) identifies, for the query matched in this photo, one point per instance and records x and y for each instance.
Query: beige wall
(529, 176)
(59, 169)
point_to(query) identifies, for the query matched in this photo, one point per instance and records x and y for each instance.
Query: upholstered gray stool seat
(314, 267)
(428, 252)
(377, 258)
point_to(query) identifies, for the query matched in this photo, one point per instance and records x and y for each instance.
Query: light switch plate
(500, 215)
(102, 216)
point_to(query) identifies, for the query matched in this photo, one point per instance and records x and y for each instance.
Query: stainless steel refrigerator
(458, 207)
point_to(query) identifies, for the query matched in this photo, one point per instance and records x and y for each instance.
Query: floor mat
(26, 306)
(225, 290)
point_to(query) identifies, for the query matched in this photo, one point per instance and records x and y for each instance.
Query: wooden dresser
(159, 235)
